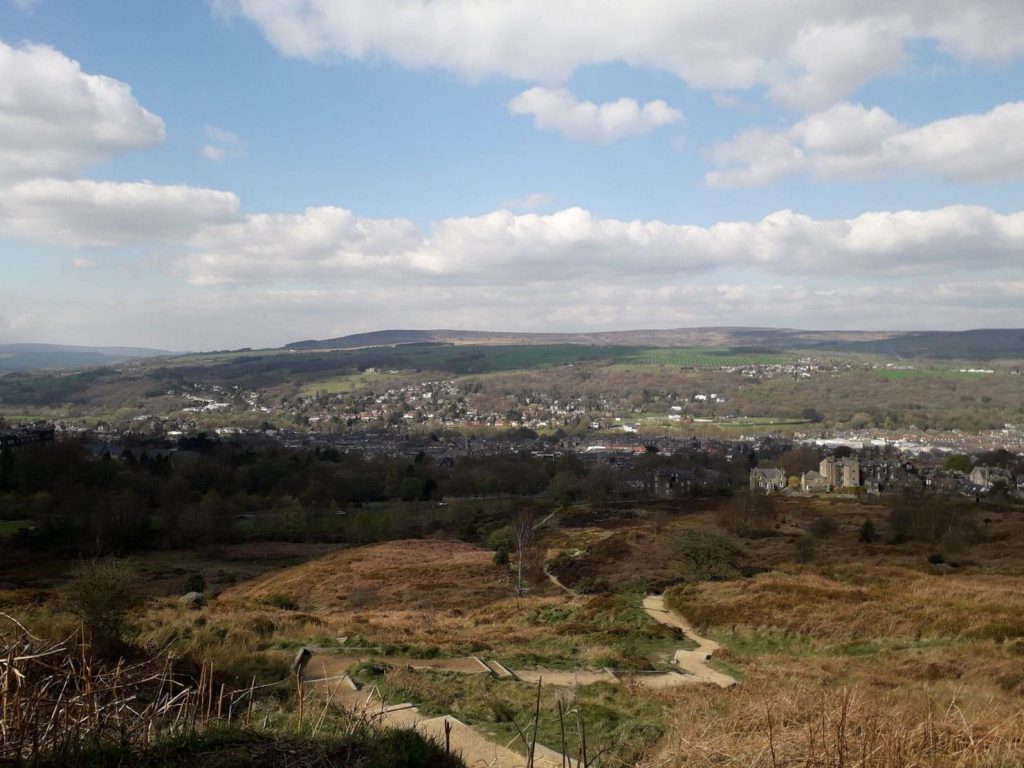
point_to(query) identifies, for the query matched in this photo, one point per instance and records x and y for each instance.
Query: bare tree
(523, 528)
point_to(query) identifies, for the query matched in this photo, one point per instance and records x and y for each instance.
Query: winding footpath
(476, 747)
(693, 662)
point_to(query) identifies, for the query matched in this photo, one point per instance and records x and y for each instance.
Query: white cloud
(808, 54)
(56, 119)
(327, 242)
(559, 110)
(851, 141)
(213, 153)
(835, 59)
(222, 144)
(325, 245)
(81, 263)
(101, 214)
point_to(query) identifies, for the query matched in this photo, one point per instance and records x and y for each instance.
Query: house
(888, 475)
(673, 483)
(767, 480)
(985, 477)
(814, 482)
(841, 473)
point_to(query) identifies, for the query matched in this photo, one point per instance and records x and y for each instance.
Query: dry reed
(56, 701)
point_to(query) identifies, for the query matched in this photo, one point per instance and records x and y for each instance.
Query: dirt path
(694, 662)
(555, 580)
(477, 749)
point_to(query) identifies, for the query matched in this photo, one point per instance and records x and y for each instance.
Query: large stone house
(814, 482)
(841, 473)
(985, 477)
(767, 480)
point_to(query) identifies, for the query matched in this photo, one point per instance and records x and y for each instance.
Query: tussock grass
(859, 726)
(853, 603)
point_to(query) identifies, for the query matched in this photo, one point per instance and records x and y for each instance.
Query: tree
(958, 463)
(598, 486)
(867, 532)
(750, 513)
(523, 529)
(796, 461)
(100, 595)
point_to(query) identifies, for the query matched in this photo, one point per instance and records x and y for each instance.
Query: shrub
(823, 527)
(284, 602)
(194, 583)
(803, 550)
(706, 556)
(261, 626)
(100, 595)
(750, 513)
(867, 532)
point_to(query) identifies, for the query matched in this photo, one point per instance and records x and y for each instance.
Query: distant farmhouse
(814, 482)
(985, 478)
(833, 473)
(767, 480)
(841, 473)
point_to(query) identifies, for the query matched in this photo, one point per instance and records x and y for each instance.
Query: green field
(934, 373)
(702, 357)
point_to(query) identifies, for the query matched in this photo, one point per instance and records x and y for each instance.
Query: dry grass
(428, 593)
(55, 701)
(859, 726)
(400, 574)
(866, 659)
(858, 603)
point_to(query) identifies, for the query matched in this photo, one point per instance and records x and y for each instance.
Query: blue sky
(196, 175)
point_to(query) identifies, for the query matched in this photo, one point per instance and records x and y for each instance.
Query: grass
(59, 706)
(628, 726)
(896, 603)
(350, 383)
(702, 357)
(428, 597)
(864, 657)
(227, 748)
(931, 373)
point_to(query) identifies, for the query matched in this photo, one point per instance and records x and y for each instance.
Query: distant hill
(981, 344)
(673, 337)
(36, 357)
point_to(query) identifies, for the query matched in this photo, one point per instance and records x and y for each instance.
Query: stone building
(767, 480)
(841, 473)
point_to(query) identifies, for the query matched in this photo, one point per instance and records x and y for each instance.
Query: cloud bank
(334, 245)
(852, 141)
(806, 54)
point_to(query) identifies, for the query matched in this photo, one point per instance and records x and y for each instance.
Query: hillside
(979, 344)
(671, 337)
(30, 357)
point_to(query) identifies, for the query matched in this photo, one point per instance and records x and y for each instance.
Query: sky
(214, 174)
